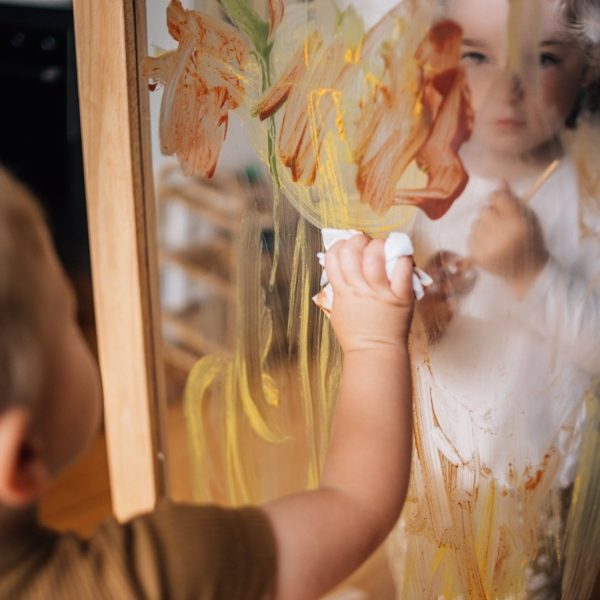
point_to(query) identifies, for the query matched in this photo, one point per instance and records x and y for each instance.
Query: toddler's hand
(436, 311)
(368, 310)
(453, 277)
(507, 240)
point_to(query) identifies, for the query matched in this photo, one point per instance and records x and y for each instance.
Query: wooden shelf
(223, 202)
(188, 331)
(208, 264)
(179, 358)
(227, 220)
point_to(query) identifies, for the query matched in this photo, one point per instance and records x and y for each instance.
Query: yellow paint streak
(329, 375)
(375, 83)
(313, 474)
(438, 558)
(243, 395)
(583, 525)
(306, 48)
(314, 122)
(485, 534)
(200, 380)
(353, 55)
(335, 208)
(418, 109)
(235, 479)
(339, 114)
(318, 368)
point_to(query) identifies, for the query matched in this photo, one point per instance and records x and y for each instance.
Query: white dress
(499, 404)
(508, 377)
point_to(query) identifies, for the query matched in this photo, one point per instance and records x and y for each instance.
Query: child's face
(70, 408)
(516, 113)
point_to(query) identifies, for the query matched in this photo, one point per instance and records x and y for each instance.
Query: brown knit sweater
(174, 552)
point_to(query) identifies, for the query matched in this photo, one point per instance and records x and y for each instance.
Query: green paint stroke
(246, 19)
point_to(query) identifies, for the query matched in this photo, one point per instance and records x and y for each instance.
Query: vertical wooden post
(122, 223)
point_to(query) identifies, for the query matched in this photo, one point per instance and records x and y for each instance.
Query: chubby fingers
(359, 263)
(374, 267)
(343, 262)
(502, 209)
(401, 283)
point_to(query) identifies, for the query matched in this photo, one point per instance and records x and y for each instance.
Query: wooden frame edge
(122, 226)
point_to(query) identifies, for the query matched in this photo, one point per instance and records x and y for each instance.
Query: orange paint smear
(309, 88)
(276, 11)
(202, 83)
(443, 122)
(275, 97)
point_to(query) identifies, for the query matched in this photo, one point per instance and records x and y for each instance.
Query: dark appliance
(40, 139)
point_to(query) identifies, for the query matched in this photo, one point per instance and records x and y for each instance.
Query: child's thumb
(401, 281)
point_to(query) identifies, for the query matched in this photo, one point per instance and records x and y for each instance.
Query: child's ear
(23, 472)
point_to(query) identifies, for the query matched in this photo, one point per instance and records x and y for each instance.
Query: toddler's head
(49, 385)
(526, 76)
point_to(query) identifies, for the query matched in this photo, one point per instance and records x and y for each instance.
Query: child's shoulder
(176, 551)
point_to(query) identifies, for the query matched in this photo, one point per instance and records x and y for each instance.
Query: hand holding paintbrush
(506, 240)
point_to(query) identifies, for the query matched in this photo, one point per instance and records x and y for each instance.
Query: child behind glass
(503, 367)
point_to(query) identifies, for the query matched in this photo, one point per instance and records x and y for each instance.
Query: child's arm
(507, 240)
(324, 535)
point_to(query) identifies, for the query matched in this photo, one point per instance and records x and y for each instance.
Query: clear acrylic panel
(472, 126)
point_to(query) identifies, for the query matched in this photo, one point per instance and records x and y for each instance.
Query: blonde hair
(21, 295)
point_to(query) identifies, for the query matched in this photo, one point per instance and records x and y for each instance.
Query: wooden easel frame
(110, 36)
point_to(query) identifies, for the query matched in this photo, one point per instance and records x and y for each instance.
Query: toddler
(296, 547)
